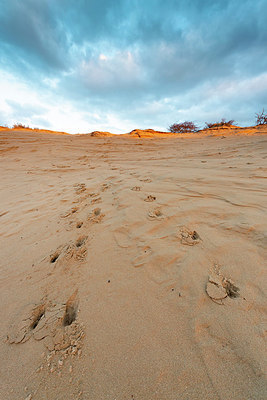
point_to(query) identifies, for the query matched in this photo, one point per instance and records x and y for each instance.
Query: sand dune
(31, 130)
(133, 268)
(151, 133)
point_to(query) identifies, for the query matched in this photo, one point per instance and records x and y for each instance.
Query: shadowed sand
(132, 267)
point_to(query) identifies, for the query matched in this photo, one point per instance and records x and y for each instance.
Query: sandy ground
(132, 269)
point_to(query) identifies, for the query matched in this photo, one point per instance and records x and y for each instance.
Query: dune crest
(151, 133)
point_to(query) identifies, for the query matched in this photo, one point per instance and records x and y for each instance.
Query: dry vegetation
(183, 127)
(219, 124)
(261, 118)
(18, 125)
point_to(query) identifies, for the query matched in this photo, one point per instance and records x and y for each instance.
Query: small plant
(219, 124)
(261, 118)
(183, 127)
(18, 125)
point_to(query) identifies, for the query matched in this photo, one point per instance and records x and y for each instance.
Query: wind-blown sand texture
(133, 268)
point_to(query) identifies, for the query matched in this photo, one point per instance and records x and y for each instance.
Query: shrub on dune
(261, 118)
(219, 124)
(18, 125)
(183, 127)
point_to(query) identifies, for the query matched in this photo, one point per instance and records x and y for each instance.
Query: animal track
(80, 241)
(25, 323)
(136, 188)
(155, 214)
(147, 180)
(54, 323)
(54, 257)
(70, 310)
(93, 194)
(75, 250)
(73, 210)
(105, 186)
(96, 200)
(79, 188)
(38, 313)
(189, 238)
(218, 287)
(96, 216)
(150, 198)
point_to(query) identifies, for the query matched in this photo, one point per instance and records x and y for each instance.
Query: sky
(117, 65)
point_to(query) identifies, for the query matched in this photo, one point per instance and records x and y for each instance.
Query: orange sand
(133, 269)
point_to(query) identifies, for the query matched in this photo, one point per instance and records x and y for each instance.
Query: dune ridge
(151, 133)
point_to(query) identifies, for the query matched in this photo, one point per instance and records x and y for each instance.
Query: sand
(133, 268)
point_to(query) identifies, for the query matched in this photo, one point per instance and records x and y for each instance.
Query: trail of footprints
(218, 287)
(73, 250)
(56, 323)
(52, 322)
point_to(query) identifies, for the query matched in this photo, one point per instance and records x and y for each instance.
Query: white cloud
(44, 109)
(111, 71)
(102, 57)
(51, 82)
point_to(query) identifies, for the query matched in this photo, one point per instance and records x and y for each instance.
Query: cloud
(30, 29)
(111, 72)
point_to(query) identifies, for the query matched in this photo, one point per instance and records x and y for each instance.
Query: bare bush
(18, 125)
(219, 124)
(261, 118)
(183, 127)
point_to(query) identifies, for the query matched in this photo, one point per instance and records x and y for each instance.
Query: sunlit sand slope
(133, 269)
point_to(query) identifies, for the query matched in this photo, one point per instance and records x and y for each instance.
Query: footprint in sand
(77, 251)
(25, 322)
(93, 194)
(105, 187)
(81, 241)
(96, 200)
(218, 287)
(83, 158)
(189, 238)
(54, 323)
(96, 216)
(79, 187)
(55, 256)
(73, 210)
(155, 214)
(150, 198)
(147, 180)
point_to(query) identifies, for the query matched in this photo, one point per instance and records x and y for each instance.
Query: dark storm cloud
(29, 31)
(110, 52)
